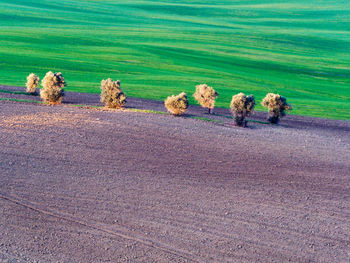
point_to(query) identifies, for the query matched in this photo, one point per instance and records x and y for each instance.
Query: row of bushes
(112, 96)
(241, 105)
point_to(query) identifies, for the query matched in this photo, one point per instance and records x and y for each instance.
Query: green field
(300, 49)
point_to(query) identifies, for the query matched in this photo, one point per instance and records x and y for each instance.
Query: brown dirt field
(85, 185)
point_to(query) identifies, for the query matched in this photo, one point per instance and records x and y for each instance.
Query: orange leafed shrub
(111, 94)
(205, 95)
(177, 105)
(32, 83)
(241, 107)
(276, 105)
(53, 84)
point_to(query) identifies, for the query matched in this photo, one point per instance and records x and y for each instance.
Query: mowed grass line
(158, 48)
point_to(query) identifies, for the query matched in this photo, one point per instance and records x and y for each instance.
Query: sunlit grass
(157, 48)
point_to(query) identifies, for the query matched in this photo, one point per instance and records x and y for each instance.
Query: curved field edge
(157, 48)
(221, 115)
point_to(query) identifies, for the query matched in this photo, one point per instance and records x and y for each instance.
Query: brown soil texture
(87, 185)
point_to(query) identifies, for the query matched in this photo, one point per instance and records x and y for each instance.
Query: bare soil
(86, 185)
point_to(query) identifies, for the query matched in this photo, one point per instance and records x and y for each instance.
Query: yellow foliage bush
(205, 96)
(241, 107)
(111, 94)
(276, 105)
(177, 105)
(32, 83)
(53, 84)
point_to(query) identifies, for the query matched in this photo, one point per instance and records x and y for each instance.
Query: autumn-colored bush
(205, 95)
(177, 105)
(242, 106)
(277, 107)
(111, 94)
(32, 83)
(53, 84)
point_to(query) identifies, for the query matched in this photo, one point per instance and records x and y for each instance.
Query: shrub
(53, 84)
(32, 83)
(277, 107)
(177, 105)
(241, 107)
(111, 94)
(205, 96)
